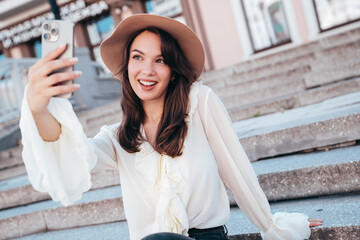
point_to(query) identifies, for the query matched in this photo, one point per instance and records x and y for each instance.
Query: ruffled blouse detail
(165, 176)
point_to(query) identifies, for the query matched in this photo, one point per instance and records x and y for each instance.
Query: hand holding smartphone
(54, 34)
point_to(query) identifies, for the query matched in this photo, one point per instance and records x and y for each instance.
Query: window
(334, 13)
(266, 23)
(168, 8)
(99, 30)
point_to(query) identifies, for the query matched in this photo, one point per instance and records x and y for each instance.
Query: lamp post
(55, 9)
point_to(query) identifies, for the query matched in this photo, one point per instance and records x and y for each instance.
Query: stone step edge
(24, 195)
(62, 218)
(343, 179)
(294, 100)
(299, 138)
(265, 82)
(264, 62)
(343, 232)
(257, 62)
(308, 182)
(79, 215)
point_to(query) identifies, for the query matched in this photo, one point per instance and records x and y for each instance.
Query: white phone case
(54, 34)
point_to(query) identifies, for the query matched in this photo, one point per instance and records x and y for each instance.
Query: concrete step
(96, 206)
(233, 89)
(281, 89)
(331, 50)
(330, 122)
(330, 44)
(339, 37)
(339, 214)
(12, 152)
(93, 119)
(10, 162)
(269, 64)
(291, 131)
(12, 172)
(287, 170)
(17, 191)
(296, 100)
(341, 71)
(300, 176)
(336, 59)
(319, 173)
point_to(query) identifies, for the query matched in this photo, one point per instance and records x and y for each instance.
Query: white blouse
(160, 193)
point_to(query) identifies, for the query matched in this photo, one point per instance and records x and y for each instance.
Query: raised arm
(57, 154)
(41, 87)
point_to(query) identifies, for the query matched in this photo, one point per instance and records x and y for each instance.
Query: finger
(51, 66)
(315, 224)
(50, 56)
(62, 76)
(63, 89)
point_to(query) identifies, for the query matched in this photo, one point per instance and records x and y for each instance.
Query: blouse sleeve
(237, 173)
(62, 168)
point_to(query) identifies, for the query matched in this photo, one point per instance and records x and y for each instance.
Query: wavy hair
(172, 127)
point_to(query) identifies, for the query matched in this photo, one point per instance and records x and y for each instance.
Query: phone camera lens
(46, 26)
(46, 36)
(53, 31)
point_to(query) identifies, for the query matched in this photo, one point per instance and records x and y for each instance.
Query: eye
(136, 57)
(160, 60)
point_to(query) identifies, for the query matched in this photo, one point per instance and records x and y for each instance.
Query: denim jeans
(217, 233)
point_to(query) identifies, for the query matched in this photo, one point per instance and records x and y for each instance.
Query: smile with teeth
(147, 83)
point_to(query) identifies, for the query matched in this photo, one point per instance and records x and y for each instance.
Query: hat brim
(112, 49)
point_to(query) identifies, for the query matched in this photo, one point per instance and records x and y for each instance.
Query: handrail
(13, 76)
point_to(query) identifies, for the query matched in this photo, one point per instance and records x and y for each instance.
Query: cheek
(165, 73)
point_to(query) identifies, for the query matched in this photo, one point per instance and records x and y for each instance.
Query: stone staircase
(297, 115)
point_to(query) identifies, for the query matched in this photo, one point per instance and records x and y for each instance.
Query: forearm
(48, 127)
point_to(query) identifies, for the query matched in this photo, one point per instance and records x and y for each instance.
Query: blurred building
(231, 30)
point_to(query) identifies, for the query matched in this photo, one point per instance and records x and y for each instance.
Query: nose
(148, 68)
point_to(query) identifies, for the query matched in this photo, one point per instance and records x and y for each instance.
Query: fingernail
(73, 60)
(79, 73)
(76, 85)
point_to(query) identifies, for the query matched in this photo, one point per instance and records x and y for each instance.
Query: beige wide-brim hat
(112, 49)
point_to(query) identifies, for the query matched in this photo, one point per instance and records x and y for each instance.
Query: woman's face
(148, 74)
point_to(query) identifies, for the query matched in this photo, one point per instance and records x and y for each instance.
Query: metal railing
(13, 77)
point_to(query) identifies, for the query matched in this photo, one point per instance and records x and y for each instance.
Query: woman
(174, 148)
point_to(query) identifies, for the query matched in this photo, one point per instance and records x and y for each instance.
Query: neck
(153, 111)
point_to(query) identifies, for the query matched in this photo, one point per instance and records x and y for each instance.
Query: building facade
(231, 30)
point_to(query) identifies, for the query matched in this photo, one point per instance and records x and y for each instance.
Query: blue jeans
(217, 233)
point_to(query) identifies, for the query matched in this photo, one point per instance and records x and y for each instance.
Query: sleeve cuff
(286, 226)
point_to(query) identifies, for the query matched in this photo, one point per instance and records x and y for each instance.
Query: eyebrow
(137, 50)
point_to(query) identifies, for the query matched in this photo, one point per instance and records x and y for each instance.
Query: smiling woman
(174, 148)
(148, 74)
(156, 73)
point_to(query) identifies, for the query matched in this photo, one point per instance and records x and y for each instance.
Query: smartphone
(53, 34)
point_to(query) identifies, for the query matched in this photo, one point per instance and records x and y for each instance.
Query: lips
(147, 83)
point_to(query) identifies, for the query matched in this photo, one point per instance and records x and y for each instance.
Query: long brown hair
(172, 127)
